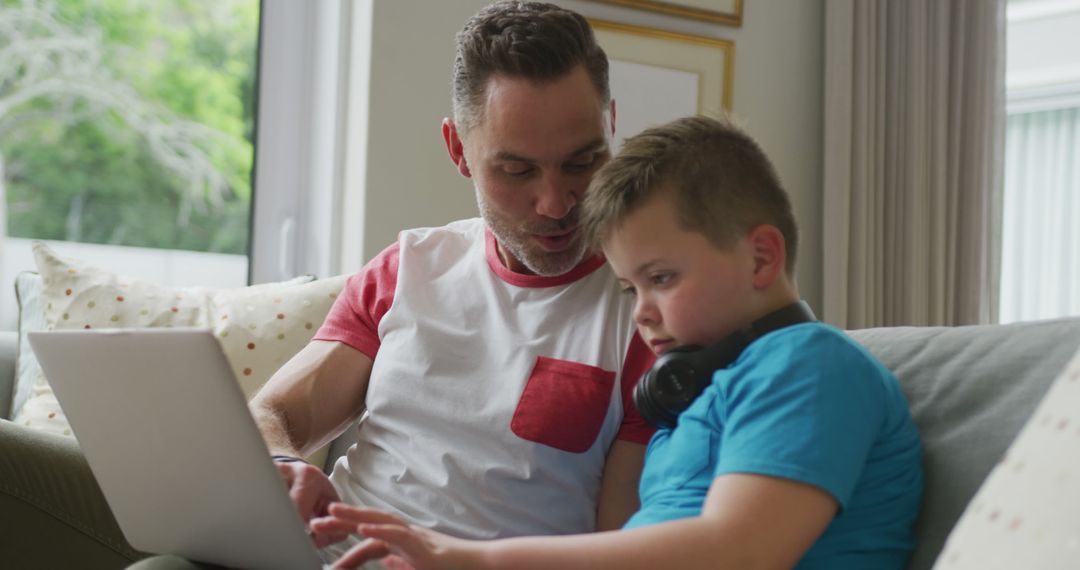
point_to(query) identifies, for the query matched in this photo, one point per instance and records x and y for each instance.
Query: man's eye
(515, 169)
(581, 165)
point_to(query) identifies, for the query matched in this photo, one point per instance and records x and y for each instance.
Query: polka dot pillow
(259, 327)
(1027, 513)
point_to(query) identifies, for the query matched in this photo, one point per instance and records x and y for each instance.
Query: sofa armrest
(970, 390)
(9, 344)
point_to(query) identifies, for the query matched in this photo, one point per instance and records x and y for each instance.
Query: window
(1040, 275)
(131, 132)
(127, 129)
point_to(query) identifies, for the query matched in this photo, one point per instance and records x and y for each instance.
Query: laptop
(166, 430)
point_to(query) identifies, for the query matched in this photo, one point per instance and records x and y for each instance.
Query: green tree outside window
(128, 122)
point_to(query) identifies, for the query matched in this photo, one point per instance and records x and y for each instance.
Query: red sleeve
(354, 318)
(638, 360)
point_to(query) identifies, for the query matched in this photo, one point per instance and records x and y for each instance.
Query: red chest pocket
(564, 404)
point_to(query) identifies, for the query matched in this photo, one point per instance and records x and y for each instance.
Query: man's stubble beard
(516, 241)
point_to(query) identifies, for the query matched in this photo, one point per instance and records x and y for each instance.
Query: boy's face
(687, 291)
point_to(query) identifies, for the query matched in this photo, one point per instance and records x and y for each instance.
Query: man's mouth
(556, 243)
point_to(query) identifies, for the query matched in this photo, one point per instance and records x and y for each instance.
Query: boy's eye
(628, 290)
(662, 278)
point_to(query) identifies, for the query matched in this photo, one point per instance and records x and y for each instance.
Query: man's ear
(454, 147)
(613, 116)
(770, 255)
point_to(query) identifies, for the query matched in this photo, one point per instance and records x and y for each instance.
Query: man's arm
(312, 398)
(308, 402)
(622, 469)
(619, 486)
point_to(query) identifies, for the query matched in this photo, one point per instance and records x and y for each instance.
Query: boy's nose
(645, 313)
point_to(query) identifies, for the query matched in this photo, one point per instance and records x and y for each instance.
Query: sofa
(970, 389)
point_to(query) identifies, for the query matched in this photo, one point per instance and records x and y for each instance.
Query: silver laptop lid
(167, 433)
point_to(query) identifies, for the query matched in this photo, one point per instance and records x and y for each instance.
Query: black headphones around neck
(678, 377)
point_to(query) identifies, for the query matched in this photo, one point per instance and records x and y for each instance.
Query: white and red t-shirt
(494, 396)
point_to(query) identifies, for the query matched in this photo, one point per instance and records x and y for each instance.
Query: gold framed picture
(726, 12)
(658, 76)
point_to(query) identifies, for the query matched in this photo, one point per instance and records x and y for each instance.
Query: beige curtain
(914, 118)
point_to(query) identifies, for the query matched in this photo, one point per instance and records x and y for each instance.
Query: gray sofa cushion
(31, 318)
(9, 341)
(970, 390)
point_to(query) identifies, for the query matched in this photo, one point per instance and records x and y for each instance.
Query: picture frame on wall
(657, 76)
(724, 12)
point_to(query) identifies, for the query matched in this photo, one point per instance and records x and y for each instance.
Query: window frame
(302, 133)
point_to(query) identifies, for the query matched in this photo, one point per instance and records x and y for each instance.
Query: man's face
(531, 157)
(686, 290)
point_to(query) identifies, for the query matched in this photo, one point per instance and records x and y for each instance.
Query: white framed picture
(658, 76)
(726, 12)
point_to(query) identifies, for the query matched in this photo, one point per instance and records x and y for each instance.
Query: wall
(410, 182)
(407, 179)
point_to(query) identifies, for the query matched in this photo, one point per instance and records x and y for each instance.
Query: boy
(800, 453)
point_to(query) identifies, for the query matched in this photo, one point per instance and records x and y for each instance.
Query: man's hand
(312, 493)
(396, 543)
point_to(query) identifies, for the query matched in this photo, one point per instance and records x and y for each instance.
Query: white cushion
(259, 327)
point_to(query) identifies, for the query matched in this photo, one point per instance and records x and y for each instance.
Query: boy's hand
(390, 539)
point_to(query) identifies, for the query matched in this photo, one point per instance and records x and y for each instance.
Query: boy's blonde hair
(719, 180)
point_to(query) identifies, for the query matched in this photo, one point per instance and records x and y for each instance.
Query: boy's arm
(619, 486)
(749, 522)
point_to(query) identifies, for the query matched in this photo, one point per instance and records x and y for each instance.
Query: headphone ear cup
(670, 386)
(678, 377)
(646, 404)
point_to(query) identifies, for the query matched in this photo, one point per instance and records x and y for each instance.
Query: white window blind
(1040, 270)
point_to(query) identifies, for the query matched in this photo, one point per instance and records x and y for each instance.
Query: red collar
(491, 248)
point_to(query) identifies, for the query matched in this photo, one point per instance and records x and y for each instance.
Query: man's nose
(556, 196)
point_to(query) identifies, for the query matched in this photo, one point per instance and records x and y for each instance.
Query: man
(495, 356)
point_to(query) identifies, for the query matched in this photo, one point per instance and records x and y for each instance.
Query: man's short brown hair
(719, 180)
(533, 40)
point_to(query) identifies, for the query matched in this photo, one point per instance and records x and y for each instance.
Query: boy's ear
(454, 147)
(770, 255)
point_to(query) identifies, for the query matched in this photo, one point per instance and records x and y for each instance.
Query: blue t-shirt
(804, 403)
